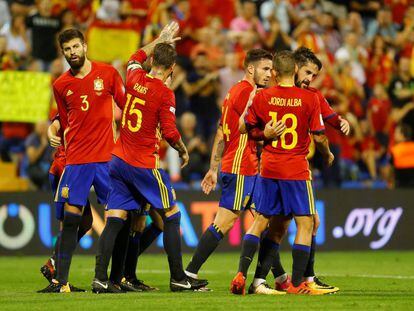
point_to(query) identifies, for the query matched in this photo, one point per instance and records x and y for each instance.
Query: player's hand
(168, 33)
(54, 141)
(345, 127)
(328, 160)
(185, 158)
(251, 97)
(209, 182)
(274, 129)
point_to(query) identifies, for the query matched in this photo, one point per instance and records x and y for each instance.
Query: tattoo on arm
(180, 147)
(217, 151)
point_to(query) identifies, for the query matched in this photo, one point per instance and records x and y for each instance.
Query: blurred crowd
(366, 48)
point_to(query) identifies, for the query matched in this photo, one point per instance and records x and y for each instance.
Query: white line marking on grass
(371, 276)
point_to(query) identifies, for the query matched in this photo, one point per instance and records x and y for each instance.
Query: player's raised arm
(168, 35)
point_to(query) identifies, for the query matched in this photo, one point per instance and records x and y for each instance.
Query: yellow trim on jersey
(238, 197)
(310, 197)
(113, 121)
(58, 187)
(163, 189)
(157, 161)
(239, 154)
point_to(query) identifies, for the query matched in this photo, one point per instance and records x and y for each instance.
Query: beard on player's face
(76, 61)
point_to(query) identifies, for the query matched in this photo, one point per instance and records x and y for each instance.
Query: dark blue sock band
(252, 238)
(301, 247)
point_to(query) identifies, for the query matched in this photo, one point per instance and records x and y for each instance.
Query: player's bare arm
(52, 134)
(168, 35)
(209, 181)
(182, 152)
(322, 144)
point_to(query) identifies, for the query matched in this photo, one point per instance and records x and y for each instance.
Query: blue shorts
(237, 190)
(284, 197)
(136, 188)
(77, 180)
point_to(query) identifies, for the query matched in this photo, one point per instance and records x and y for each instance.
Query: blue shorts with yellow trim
(284, 197)
(136, 188)
(76, 182)
(236, 191)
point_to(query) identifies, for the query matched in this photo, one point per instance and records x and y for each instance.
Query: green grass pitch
(368, 280)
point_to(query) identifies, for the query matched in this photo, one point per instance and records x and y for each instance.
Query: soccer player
(55, 134)
(85, 96)
(136, 179)
(308, 68)
(238, 157)
(284, 186)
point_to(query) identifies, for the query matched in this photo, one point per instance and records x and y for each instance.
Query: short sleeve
(316, 124)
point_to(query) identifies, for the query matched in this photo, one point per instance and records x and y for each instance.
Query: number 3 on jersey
(132, 110)
(289, 130)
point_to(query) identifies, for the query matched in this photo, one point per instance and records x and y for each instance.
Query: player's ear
(296, 68)
(85, 46)
(250, 69)
(274, 73)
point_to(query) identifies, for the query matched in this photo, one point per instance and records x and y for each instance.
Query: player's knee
(276, 235)
(156, 220)
(316, 223)
(138, 224)
(225, 223)
(259, 225)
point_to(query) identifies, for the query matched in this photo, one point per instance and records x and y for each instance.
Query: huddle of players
(131, 183)
(282, 116)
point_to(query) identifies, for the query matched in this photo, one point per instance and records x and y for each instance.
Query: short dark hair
(164, 55)
(284, 63)
(303, 55)
(69, 34)
(255, 55)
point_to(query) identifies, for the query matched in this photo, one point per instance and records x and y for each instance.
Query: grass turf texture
(368, 280)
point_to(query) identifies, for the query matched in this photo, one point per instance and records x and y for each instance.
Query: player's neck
(250, 80)
(286, 81)
(159, 74)
(82, 71)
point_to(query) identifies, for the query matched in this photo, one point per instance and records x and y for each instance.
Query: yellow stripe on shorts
(163, 189)
(310, 197)
(238, 197)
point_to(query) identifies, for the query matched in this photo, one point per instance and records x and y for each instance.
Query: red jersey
(149, 112)
(239, 154)
(300, 110)
(86, 110)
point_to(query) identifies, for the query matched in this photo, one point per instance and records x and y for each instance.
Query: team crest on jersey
(65, 192)
(98, 85)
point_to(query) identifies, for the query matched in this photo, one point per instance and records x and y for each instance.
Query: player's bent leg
(269, 258)
(130, 281)
(116, 219)
(211, 238)
(249, 246)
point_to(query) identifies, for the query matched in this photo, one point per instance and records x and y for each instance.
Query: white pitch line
(371, 276)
